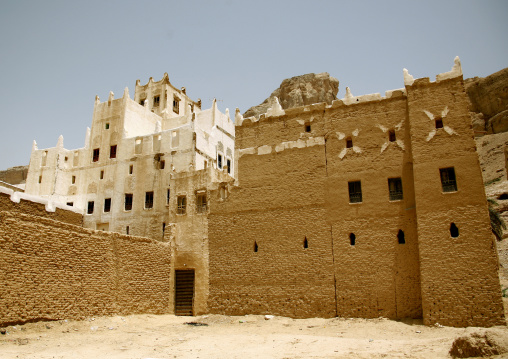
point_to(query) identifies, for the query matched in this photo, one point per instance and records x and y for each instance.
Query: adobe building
(147, 168)
(369, 207)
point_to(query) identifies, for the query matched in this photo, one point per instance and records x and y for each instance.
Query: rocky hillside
(14, 175)
(489, 102)
(300, 91)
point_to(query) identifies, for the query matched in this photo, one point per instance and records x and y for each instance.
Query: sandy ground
(167, 336)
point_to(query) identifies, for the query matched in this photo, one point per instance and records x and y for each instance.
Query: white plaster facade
(134, 148)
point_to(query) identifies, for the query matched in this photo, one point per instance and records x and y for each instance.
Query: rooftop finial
(111, 96)
(275, 108)
(408, 79)
(126, 93)
(456, 71)
(34, 146)
(59, 143)
(97, 101)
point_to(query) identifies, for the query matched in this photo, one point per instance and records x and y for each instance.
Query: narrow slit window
(131, 168)
(352, 239)
(305, 243)
(128, 201)
(228, 163)
(400, 237)
(391, 136)
(256, 247)
(149, 199)
(102, 175)
(349, 142)
(163, 228)
(127, 230)
(107, 204)
(219, 161)
(395, 189)
(454, 230)
(448, 179)
(168, 195)
(176, 105)
(162, 164)
(40, 179)
(73, 181)
(355, 192)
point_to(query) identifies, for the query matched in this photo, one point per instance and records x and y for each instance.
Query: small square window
(128, 202)
(107, 205)
(201, 205)
(448, 180)
(90, 207)
(391, 136)
(307, 127)
(107, 126)
(439, 122)
(181, 204)
(112, 151)
(349, 142)
(395, 189)
(149, 200)
(142, 102)
(156, 101)
(95, 155)
(355, 192)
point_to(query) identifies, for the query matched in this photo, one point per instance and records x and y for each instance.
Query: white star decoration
(447, 129)
(344, 151)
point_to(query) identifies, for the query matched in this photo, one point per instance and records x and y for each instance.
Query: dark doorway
(184, 291)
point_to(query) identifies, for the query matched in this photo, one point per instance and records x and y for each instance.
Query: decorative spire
(111, 96)
(275, 108)
(97, 101)
(126, 93)
(34, 146)
(408, 79)
(59, 144)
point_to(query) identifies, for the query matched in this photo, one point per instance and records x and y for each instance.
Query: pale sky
(55, 56)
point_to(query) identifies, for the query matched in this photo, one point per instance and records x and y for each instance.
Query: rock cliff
(489, 102)
(14, 175)
(300, 91)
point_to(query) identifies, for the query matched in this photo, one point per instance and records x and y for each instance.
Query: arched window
(454, 231)
(400, 237)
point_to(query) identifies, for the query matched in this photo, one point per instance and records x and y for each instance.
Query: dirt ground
(252, 336)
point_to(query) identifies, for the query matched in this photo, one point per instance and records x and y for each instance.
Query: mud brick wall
(39, 209)
(460, 285)
(53, 270)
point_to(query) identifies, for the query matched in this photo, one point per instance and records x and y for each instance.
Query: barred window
(201, 205)
(395, 188)
(355, 192)
(181, 204)
(448, 180)
(156, 101)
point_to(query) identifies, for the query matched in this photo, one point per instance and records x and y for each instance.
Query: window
(156, 100)
(66, 158)
(149, 200)
(90, 207)
(400, 237)
(349, 142)
(439, 122)
(395, 188)
(107, 126)
(307, 127)
(70, 204)
(127, 230)
(355, 192)
(448, 180)
(102, 175)
(181, 205)
(128, 202)
(162, 164)
(176, 104)
(163, 228)
(112, 152)
(454, 231)
(255, 246)
(131, 168)
(168, 195)
(352, 239)
(391, 135)
(107, 204)
(73, 180)
(305, 243)
(219, 161)
(95, 155)
(201, 203)
(229, 165)
(40, 179)
(142, 102)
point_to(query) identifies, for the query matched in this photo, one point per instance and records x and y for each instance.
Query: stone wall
(54, 270)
